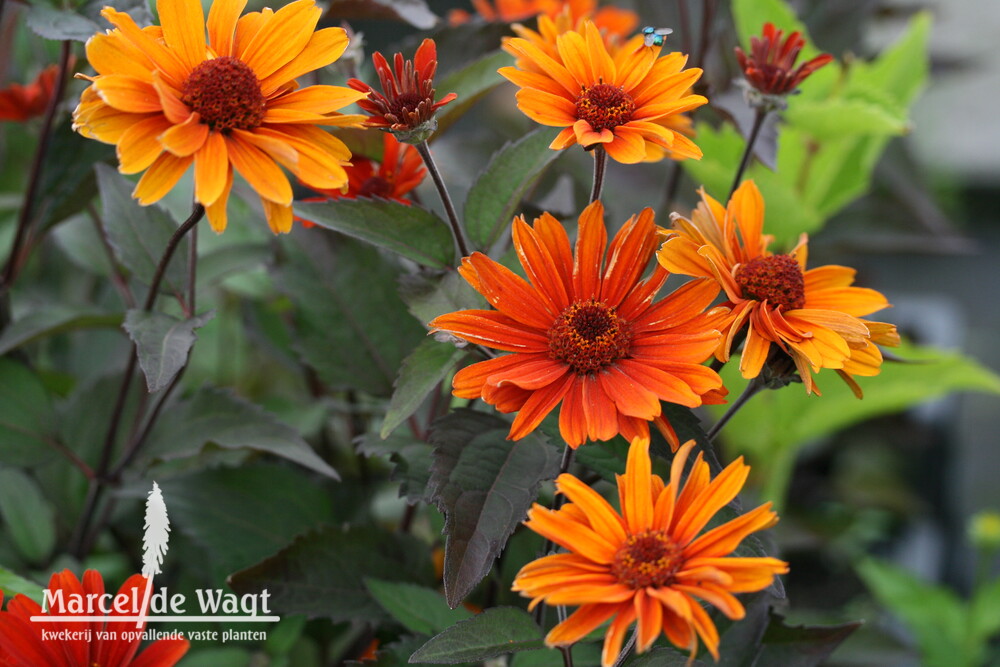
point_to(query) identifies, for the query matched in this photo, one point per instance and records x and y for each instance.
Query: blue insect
(654, 36)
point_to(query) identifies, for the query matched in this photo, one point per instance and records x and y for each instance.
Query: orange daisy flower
(20, 103)
(602, 99)
(649, 563)
(22, 643)
(399, 172)
(811, 315)
(588, 337)
(169, 99)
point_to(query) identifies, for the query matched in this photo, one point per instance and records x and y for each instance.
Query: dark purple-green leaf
(494, 632)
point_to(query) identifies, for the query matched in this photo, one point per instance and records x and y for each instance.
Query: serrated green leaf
(350, 323)
(61, 24)
(54, 319)
(414, 12)
(211, 507)
(470, 83)
(321, 573)
(938, 619)
(162, 343)
(428, 364)
(219, 417)
(27, 517)
(494, 632)
(409, 231)
(495, 196)
(139, 234)
(484, 485)
(801, 646)
(11, 584)
(26, 416)
(418, 609)
(784, 419)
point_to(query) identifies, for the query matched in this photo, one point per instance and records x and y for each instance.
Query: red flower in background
(20, 103)
(400, 171)
(23, 645)
(769, 67)
(406, 104)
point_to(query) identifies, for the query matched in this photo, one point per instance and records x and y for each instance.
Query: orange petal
(187, 138)
(212, 174)
(222, 24)
(139, 145)
(592, 237)
(323, 48)
(160, 178)
(281, 37)
(216, 211)
(580, 624)
(493, 329)
(259, 170)
(541, 403)
(183, 24)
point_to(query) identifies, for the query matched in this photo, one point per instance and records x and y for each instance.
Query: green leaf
(321, 573)
(351, 325)
(139, 234)
(214, 266)
(494, 632)
(418, 609)
(414, 12)
(833, 119)
(607, 460)
(61, 24)
(409, 231)
(428, 297)
(212, 507)
(901, 71)
(26, 416)
(801, 646)
(11, 584)
(985, 612)
(498, 190)
(68, 182)
(484, 485)
(54, 319)
(470, 84)
(422, 371)
(219, 417)
(162, 343)
(935, 615)
(28, 518)
(775, 423)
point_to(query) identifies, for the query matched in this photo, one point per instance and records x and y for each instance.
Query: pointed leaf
(409, 231)
(418, 609)
(211, 507)
(414, 12)
(484, 485)
(422, 371)
(51, 320)
(802, 645)
(26, 417)
(27, 516)
(61, 24)
(139, 234)
(470, 84)
(219, 417)
(494, 632)
(496, 195)
(162, 343)
(351, 325)
(12, 584)
(321, 574)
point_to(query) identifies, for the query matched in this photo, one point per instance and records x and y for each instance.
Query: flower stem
(754, 386)
(758, 122)
(456, 228)
(83, 531)
(707, 16)
(600, 162)
(628, 648)
(25, 218)
(567, 655)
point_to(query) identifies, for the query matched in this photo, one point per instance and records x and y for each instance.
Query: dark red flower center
(376, 186)
(646, 559)
(604, 106)
(226, 93)
(777, 279)
(404, 104)
(588, 336)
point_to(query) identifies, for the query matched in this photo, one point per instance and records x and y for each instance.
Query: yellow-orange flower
(616, 100)
(169, 99)
(651, 563)
(586, 333)
(812, 315)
